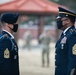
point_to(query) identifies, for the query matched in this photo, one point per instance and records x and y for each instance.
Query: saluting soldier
(66, 45)
(9, 61)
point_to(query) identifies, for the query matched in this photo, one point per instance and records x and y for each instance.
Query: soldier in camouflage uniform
(45, 41)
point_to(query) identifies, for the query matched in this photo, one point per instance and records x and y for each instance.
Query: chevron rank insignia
(74, 50)
(6, 53)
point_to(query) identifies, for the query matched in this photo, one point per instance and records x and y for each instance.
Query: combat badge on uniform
(74, 50)
(6, 53)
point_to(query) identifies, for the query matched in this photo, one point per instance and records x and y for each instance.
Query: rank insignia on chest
(74, 49)
(6, 53)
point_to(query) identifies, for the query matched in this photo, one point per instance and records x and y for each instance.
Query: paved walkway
(30, 62)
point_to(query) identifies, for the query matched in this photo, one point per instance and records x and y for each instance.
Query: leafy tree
(68, 3)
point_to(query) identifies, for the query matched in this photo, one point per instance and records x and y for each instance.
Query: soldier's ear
(7, 24)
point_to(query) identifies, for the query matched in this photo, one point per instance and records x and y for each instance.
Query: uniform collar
(67, 29)
(8, 33)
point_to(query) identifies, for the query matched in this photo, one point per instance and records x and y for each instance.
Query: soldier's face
(64, 21)
(11, 26)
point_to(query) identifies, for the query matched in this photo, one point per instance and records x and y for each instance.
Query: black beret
(65, 13)
(9, 17)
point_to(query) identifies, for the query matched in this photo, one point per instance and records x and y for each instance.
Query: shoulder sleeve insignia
(5, 36)
(74, 50)
(6, 53)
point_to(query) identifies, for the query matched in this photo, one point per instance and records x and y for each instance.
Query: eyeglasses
(64, 20)
(61, 20)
